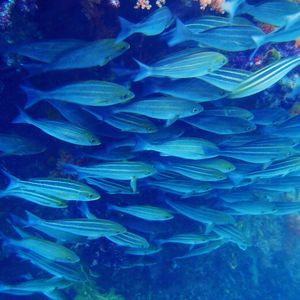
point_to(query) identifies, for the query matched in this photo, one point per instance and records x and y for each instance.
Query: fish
(253, 207)
(146, 212)
(184, 187)
(226, 38)
(29, 287)
(199, 25)
(203, 249)
(143, 251)
(265, 77)
(163, 108)
(92, 229)
(45, 51)
(127, 122)
(153, 24)
(71, 272)
(221, 124)
(118, 170)
(189, 239)
(226, 78)
(61, 130)
(62, 188)
(286, 208)
(189, 63)
(269, 116)
(219, 164)
(273, 12)
(183, 147)
(111, 186)
(279, 184)
(34, 197)
(288, 32)
(90, 93)
(192, 89)
(13, 144)
(230, 233)
(44, 248)
(90, 54)
(194, 170)
(202, 214)
(129, 239)
(229, 111)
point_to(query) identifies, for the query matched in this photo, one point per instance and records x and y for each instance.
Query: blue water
(269, 269)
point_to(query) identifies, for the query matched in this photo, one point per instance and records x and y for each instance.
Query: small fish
(220, 124)
(288, 184)
(269, 116)
(203, 249)
(189, 239)
(273, 12)
(45, 51)
(91, 54)
(118, 170)
(34, 286)
(183, 64)
(61, 130)
(90, 93)
(219, 164)
(129, 239)
(229, 111)
(231, 233)
(34, 197)
(71, 272)
(184, 187)
(91, 228)
(192, 89)
(163, 108)
(111, 186)
(146, 212)
(287, 208)
(12, 144)
(227, 38)
(194, 170)
(183, 147)
(62, 188)
(153, 24)
(143, 251)
(265, 77)
(226, 78)
(202, 214)
(253, 207)
(44, 248)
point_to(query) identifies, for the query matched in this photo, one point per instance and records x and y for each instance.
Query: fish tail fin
(33, 96)
(32, 219)
(13, 181)
(126, 29)
(22, 117)
(84, 209)
(259, 40)
(231, 7)
(21, 232)
(291, 19)
(144, 72)
(140, 145)
(181, 34)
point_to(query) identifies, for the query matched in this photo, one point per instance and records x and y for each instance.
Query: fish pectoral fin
(209, 228)
(171, 121)
(133, 183)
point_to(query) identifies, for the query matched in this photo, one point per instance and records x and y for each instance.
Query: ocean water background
(269, 269)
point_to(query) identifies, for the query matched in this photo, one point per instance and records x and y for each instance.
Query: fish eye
(93, 141)
(91, 196)
(195, 110)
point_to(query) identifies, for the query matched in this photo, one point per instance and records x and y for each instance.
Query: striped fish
(61, 188)
(226, 78)
(229, 111)
(153, 24)
(265, 77)
(110, 186)
(71, 272)
(129, 239)
(202, 214)
(91, 228)
(187, 63)
(61, 130)
(91, 93)
(143, 251)
(146, 212)
(189, 238)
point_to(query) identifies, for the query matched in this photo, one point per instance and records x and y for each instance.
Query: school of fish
(175, 150)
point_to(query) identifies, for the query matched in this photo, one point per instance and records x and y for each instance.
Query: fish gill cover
(150, 149)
